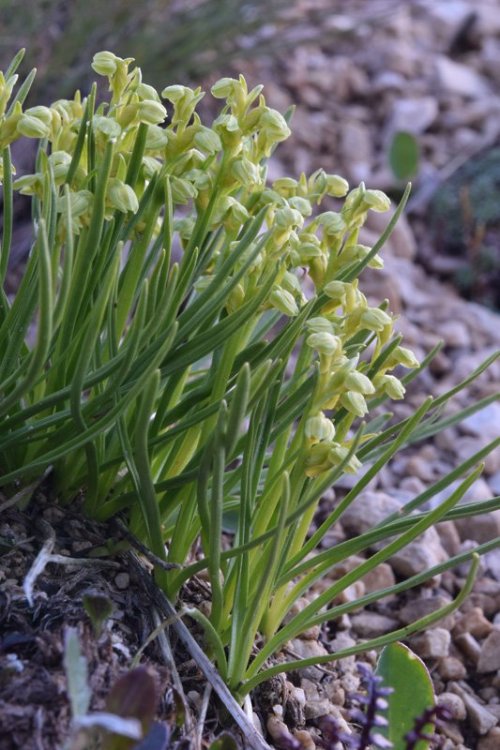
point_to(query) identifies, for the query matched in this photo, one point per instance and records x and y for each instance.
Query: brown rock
(489, 657)
(372, 624)
(468, 646)
(449, 537)
(380, 577)
(454, 704)
(421, 607)
(480, 718)
(451, 668)
(432, 644)
(473, 622)
(491, 741)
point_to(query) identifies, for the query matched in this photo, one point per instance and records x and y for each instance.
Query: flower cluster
(219, 173)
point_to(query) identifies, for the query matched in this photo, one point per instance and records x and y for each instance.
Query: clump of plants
(190, 348)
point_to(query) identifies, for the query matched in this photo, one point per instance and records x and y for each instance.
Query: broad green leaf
(412, 694)
(404, 154)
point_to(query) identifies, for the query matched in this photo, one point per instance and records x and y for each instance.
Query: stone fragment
(489, 657)
(305, 649)
(484, 423)
(372, 624)
(432, 644)
(460, 79)
(418, 608)
(480, 528)
(421, 554)
(368, 510)
(122, 581)
(492, 562)
(402, 243)
(473, 622)
(378, 578)
(451, 668)
(480, 718)
(356, 147)
(413, 115)
(449, 537)
(454, 704)
(455, 334)
(468, 646)
(491, 741)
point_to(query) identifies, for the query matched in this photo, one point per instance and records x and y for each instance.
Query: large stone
(413, 115)
(421, 554)
(480, 718)
(489, 657)
(368, 510)
(433, 644)
(460, 79)
(485, 423)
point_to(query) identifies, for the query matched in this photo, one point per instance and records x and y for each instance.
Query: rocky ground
(433, 69)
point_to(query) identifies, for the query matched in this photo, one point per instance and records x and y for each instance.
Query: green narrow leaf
(407, 675)
(404, 155)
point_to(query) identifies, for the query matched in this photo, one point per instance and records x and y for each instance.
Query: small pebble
(122, 581)
(454, 704)
(451, 668)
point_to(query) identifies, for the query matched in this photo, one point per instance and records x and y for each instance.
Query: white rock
(485, 422)
(454, 704)
(413, 115)
(356, 147)
(460, 79)
(419, 555)
(367, 510)
(432, 644)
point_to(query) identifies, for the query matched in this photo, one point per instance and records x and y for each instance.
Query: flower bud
(145, 91)
(246, 172)
(284, 302)
(324, 343)
(375, 319)
(107, 126)
(319, 325)
(274, 124)
(182, 190)
(175, 93)
(390, 385)
(286, 218)
(151, 112)
(156, 138)
(336, 291)
(223, 88)
(403, 356)
(336, 186)
(377, 200)
(122, 196)
(150, 166)
(339, 453)
(208, 140)
(105, 63)
(319, 428)
(332, 222)
(358, 382)
(300, 204)
(285, 186)
(354, 403)
(32, 127)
